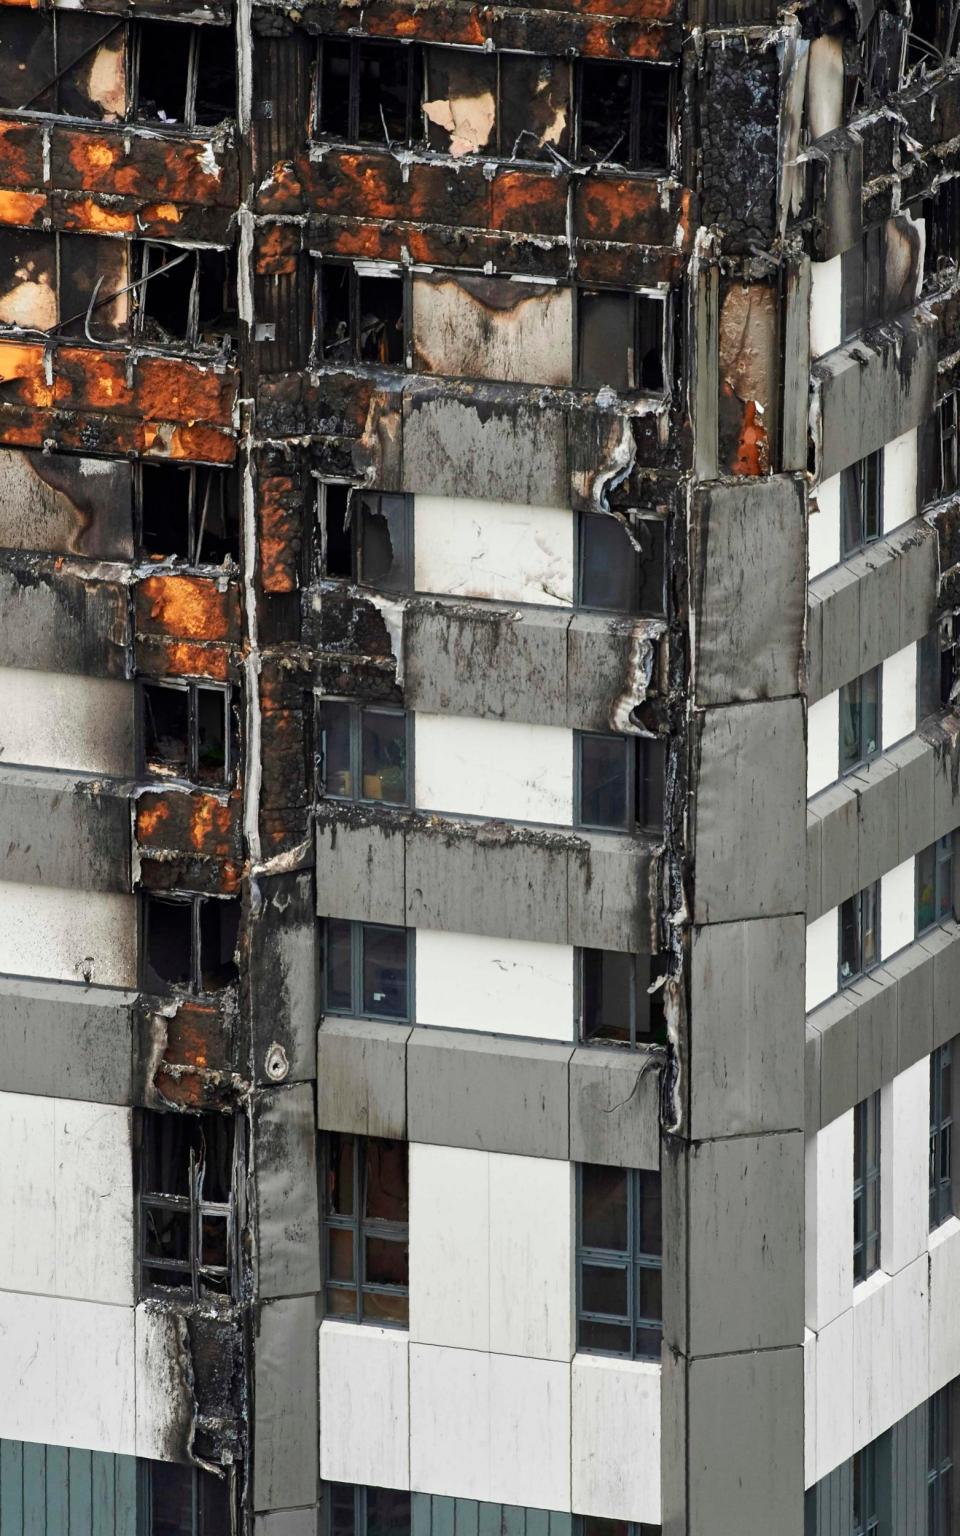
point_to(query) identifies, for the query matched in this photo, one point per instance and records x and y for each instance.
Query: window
(935, 883)
(365, 1207)
(623, 114)
(183, 295)
(189, 731)
(189, 942)
(941, 1135)
(620, 997)
(866, 1492)
(188, 512)
(368, 92)
(861, 503)
(937, 666)
(360, 314)
(860, 720)
(187, 1239)
(622, 340)
(63, 61)
(364, 751)
(65, 284)
(861, 282)
(364, 536)
(621, 563)
(619, 782)
(619, 1262)
(593, 1525)
(940, 1503)
(355, 1511)
(184, 75)
(866, 1188)
(859, 933)
(368, 970)
(184, 1501)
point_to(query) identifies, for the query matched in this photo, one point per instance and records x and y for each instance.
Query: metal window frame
(865, 756)
(634, 160)
(360, 1226)
(633, 518)
(586, 1525)
(145, 1495)
(863, 970)
(630, 826)
(638, 990)
(941, 1138)
(197, 1210)
(140, 255)
(192, 689)
(356, 270)
(358, 931)
(939, 1468)
(943, 852)
(188, 121)
(413, 106)
(663, 296)
(177, 897)
(948, 433)
(357, 718)
(52, 17)
(865, 1176)
(215, 474)
(633, 1259)
(860, 469)
(866, 1482)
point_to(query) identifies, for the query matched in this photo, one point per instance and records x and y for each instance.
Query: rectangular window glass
(365, 1228)
(383, 750)
(940, 1493)
(621, 566)
(866, 1187)
(941, 1135)
(368, 969)
(352, 1510)
(619, 1262)
(605, 782)
(384, 540)
(363, 752)
(384, 972)
(860, 720)
(620, 340)
(859, 933)
(861, 503)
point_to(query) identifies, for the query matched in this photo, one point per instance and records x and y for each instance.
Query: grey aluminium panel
(875, 389)
(360, 867)
(836, 1022)
(65, 830)
(611, 893)
(63, 1040)
(288, 1522)
(615, 1107)
(285, 1404)
(878, 816)
(285, 1181)
(838, 631)
(362, 1077)
(487, 879)
(487, 660)
(59, 620)
(486, 446)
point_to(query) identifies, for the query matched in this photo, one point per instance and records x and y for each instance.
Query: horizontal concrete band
(65, 829)
(880, 1025)
(870, 607)
(870, 821)
(492, 878)
(66, 1041)
(873, 389)
(459, 1089)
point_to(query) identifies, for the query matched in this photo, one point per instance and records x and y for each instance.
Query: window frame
(195, 529)
(118, 22)
(198, 1521)
(633, 1259)
(198, 1211)
(587, 520)
(358, 713)
(634, 162)
(195, 901)
(661, 295)
(940, 1461)
(873, 890)
(866, 1491)
(656, 966)
(358, 931)
(866, 1175)
(633, 825)
(948, 438)
(356, 269)
(320, 542)
(861, 486)
(865, 756)
(414, 108)
(140, 276)
(941, 1137)
(360, 1226)
(943, 881)
(231, 731)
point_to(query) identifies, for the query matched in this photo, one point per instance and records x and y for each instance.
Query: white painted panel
(94, 1202)
(531, 1256)
(54, 720)
(615, 1439)
(449, 1246)
(825, 311)
(823, 743)
(911, 1357)
(904, 1170)
(897, 908)
(899, 708)
(68, 935)
(500, 768)
(823, 954)
(810, 1473)
(493, 1427)
(28, 1367)
(27, 1205)
(164, 1395)
(835, 1394)
(824, 527)
(900, 481)
(496, 986)
(829, 1221)
(364, 1405)
(497, 549)
(890, 1349)
(944, 1312)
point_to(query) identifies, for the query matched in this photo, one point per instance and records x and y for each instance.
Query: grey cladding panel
(615, 1108)
(839, 220)
(876, 1000)
(360, 869)
(286, 1392)
(55, 621)
(484, 447)
(878, 814)
(285, 1178)
(282, 973)
(879, 570)
(811, 1077)
(915, 766)
(362, 1077)
(612, 667)
(63, 1041)
(814, 854)
(913, 972)
(836, 808)
(875, 389)
(504, 664)
(836, 1023)
(919, 577)
(65, 831)
(288, 1522)
(66, 505)
(612, 893)
(487, 880)
(749, 582)
(839, 630)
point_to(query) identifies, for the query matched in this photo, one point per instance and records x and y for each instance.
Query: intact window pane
(385, 1261)
(340, 1258)
(607, 564)
(385, 972)
(338, 971)
(851, 963)
(607, 982)
(335, 724)
(851, 528)
(386, 1307)
(341, 1191)
(603, 1215)
(341, 1506)
(926, 888)
(928, 674)
(388, 1512)
(870, 926)
(604, 781)
(606, 1338)
(649, 1214)
(604, 1288)
(171, 1499)
(386, 1189)
(652, 764)
(384, 749)
(870, 712)
(604, 340)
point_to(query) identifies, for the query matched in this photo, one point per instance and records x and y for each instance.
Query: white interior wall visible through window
(900, 481)
(898, 715)
(825, 331)
(64, 720)
(497, 768)
(823, 943)
(496, 986)
(823, 743)
(496, 549)
(897, 908)
(824, 528)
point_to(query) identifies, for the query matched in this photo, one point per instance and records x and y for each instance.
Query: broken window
(947, 420)
(189, 942)
(352, 1510)
(619, 782)
(935, 883)
(186, 1203)
(364, 751)
(862, 282)
(188, 512)
(69, 285)
(861, 503)
(860, 720)
(619, 1262)
(460, 100)
(866, 1187)
(533, 116)
(622, 340)
(860, 933)
(184, 74)
(185, 1501)
(189, 731)
(620, 997)
(941, 1135)
(621, 563)
(934, 31)
(937, 656)
(71, 62)
(361, 314)
(623, 115)
(365, 1213)
(368, 92)
(364, 537)
(367, 970)
(184, 295)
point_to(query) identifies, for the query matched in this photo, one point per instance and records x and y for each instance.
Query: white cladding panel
(449, 1246)
(500, 768)
(497, 549)
(68, 935)
(834, 1394)
(164, 1394)
(809, 1408)
(823, 743)
(825, 317)
(364, 1405)
(890, 1360)
(897, 908)
(944, 1313)
(904, 1170)
(491, 1427)
(900, 481)
(615, 1438)
(829, 1221)
(823, 955)
(899, 708)
(824, 528)
(57, 720)
(496, 986)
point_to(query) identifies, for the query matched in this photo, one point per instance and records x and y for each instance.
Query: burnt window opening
(189, 942)
(623, 114)
(188, 512)
(70, 62)
(934, 32)
(622, 340)
(364, 537)
(187, 1179)
(948, 420)
(365, 750)
(620, 998)
(941, 216)
(189, 731)
(184, 295)
(367, 970)
(65, 284)
(184, 75)
(365, 1229)
(368, 92)
(862, 283)
(361, 315)
(184, 1501)
(621, 564)
(619, 782)
(938, 666)
(861, 504)
(352, 1510)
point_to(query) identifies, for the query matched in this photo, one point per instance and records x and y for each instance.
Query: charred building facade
(479, 490)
